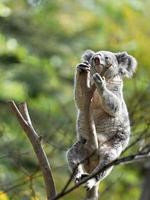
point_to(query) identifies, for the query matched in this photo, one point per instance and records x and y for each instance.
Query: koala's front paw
(83, 67)
(79, 177)
(90, 183)
(99, 81)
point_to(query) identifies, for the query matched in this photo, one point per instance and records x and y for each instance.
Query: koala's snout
(97, 59)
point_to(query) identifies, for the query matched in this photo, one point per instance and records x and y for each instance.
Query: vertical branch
(23, 117)
(93, 193)
(24, 111)
(146, 192)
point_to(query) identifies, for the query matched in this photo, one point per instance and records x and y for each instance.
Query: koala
(103, 125)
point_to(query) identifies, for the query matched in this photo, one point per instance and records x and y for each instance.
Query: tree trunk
(146, 186)
(93, 193)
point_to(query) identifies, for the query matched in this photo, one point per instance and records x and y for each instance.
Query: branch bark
(22, 115)
(139, 156)
(146, 186)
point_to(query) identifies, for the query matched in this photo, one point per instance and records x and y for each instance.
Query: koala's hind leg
(83, 91)
(83, 95)
(75, 156)
(107, 155)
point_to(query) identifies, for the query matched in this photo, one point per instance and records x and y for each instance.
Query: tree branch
(24, 111)
(124, 160)
(23, 117)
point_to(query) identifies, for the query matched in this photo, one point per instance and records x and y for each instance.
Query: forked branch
(22, 114)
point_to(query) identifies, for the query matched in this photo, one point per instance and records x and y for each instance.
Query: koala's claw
(97, 78)
(80, 177)
(99, 81)
(83, 67)
(90, 184)
(84, 175)
(86, 62)
(103, 78)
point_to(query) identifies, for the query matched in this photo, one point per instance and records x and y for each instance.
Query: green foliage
(40, 45)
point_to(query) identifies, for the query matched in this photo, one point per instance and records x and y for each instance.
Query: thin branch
(72, 174)
(82, 161)
(22, 115)
(124, 160)
(24, 111)
(24, 119)
(19, 116)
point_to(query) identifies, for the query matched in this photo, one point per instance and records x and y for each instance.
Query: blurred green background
(41, 42)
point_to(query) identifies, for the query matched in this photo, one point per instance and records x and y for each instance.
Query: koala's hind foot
(83, 89)
(90, 183)
(80, 176)
(75, 157)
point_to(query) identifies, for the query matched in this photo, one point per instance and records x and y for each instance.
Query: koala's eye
(108, 61)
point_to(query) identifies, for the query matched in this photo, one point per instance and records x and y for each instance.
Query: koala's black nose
(97, 59)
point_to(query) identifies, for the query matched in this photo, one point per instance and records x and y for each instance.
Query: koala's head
(110, 64)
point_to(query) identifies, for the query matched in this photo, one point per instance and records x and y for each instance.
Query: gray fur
(102, 123)
(127, 64)
(87, 55)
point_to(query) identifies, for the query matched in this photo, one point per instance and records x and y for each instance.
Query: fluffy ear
(127, 64)
(87, 55)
